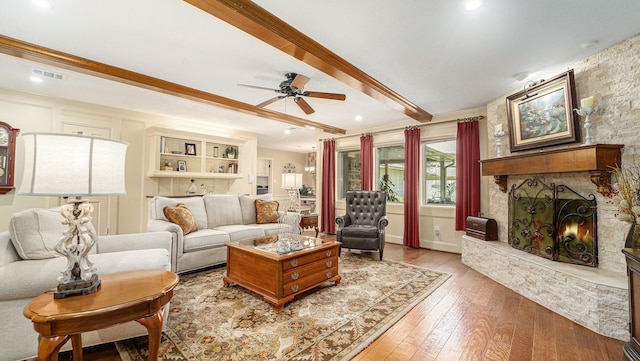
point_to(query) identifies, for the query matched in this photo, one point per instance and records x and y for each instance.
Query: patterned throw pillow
(181, 216)
(266, 211)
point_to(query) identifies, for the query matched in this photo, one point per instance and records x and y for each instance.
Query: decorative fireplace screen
(553, 222)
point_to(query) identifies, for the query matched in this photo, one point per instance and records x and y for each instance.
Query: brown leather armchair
(363, 225)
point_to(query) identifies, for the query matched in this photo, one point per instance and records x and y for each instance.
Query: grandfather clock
(8, 136)
(632, 347)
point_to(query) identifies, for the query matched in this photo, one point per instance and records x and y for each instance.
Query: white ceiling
(432, 52)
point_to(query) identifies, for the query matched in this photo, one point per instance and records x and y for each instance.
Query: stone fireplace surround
(596, 298)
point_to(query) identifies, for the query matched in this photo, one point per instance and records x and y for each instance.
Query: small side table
(122, 297)
(309, 221)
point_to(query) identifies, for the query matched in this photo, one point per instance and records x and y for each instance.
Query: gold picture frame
(542, 114)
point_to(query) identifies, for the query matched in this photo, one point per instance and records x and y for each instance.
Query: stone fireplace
(595, 297)
(553, 222)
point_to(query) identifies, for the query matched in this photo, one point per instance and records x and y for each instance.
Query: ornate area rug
(210, 322)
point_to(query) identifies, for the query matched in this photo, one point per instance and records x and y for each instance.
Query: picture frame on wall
(542, 114)
(190, 148)
(182, 166)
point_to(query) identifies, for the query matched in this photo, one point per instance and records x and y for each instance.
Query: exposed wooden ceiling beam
(52, 57)
(256, 21)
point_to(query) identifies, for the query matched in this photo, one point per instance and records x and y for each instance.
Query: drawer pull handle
(294, 263)
(294, 288)
(329, 264)
(328, 253)
(294, 276)
(329, 274)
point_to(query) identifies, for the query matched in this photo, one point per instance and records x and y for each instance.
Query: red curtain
(467, 173)
(328, 203)
(411, 237)
(366, 162)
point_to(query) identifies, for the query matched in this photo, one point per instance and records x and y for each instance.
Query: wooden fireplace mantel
(597, 159)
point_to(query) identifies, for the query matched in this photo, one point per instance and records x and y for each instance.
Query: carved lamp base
(77, 288)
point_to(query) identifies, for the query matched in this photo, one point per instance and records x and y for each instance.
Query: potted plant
(231, 152)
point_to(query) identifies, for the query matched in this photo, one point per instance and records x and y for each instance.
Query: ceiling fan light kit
(293, 87)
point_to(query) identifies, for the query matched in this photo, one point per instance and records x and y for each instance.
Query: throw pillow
(266, 211)
(35, 233)
(181, 216)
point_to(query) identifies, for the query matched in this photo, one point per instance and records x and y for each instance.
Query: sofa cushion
(181, 216)
(35, 233)
(266, 211)
(248, 207)
(195, 205)
(205, 239)
(239, 232)
(222, 210)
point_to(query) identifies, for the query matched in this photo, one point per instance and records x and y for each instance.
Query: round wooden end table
(122, 297)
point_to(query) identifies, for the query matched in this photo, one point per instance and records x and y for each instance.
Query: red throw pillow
(181, 216)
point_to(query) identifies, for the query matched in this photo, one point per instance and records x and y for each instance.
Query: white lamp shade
(72, 165)
(291, 180)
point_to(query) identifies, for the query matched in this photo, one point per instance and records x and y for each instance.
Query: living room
(608, 75)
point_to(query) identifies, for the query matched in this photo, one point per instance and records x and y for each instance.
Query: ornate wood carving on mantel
(597, 159)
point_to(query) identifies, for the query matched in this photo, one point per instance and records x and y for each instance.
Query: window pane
(440, 172)
(348, 172)
(391, 172)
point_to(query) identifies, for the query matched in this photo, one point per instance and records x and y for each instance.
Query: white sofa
(221, 218)
(23, 279)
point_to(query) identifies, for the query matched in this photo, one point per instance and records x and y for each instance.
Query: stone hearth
(592, 297)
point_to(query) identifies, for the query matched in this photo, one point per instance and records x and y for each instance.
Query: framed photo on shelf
(542, 114)
(190, 148)
(182, 166)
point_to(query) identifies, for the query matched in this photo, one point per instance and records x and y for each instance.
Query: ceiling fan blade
(304, 105)
(299, 82)
(259, 87)
(333, 96)
(267, 102)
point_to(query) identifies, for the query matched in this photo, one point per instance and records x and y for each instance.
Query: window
(348, 172)
(391, 172)
(440, 172)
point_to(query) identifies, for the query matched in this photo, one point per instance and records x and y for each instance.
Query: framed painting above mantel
(542, 114)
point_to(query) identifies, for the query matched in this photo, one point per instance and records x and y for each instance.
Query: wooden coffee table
(255, 265)
(122, 297)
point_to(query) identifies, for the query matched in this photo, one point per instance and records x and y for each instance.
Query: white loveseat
(220, 218)
(34, 233)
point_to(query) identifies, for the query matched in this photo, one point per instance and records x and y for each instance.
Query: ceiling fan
(293, 87)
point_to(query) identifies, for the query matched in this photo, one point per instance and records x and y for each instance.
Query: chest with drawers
(279, 278)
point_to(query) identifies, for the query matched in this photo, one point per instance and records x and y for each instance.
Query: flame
(570, 229)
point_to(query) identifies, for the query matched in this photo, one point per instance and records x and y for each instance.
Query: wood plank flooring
(469, 317)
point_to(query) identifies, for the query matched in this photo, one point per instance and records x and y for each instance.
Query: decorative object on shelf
(542, 114)
(182, 166)
(190, 148)
(216, 152)
(586, 109)
(289, 168)
(166, 165)
(192, 187)
(97, 169)
(8, 136)
(231, 152)
(221, 168)
(292, 183)
(626, 196)
(498, 133)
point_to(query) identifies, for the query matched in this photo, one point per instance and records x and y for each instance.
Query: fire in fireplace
(553, 222)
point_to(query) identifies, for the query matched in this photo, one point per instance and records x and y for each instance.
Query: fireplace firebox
(553, 222)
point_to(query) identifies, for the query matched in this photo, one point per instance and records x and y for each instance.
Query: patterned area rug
(210, 322)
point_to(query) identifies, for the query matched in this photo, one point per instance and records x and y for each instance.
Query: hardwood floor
(469, 317)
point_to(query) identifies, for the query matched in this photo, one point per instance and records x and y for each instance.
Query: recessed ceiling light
(45, 4)
(473, 4)
(358, 118)
(288, 130)
(588, 44)
(36, 79)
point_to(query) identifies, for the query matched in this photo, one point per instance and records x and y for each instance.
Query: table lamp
(292, 182)
(66, 165)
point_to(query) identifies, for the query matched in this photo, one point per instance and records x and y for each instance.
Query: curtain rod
(468, 119)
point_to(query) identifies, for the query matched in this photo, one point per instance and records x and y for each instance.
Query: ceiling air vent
(48, 74)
